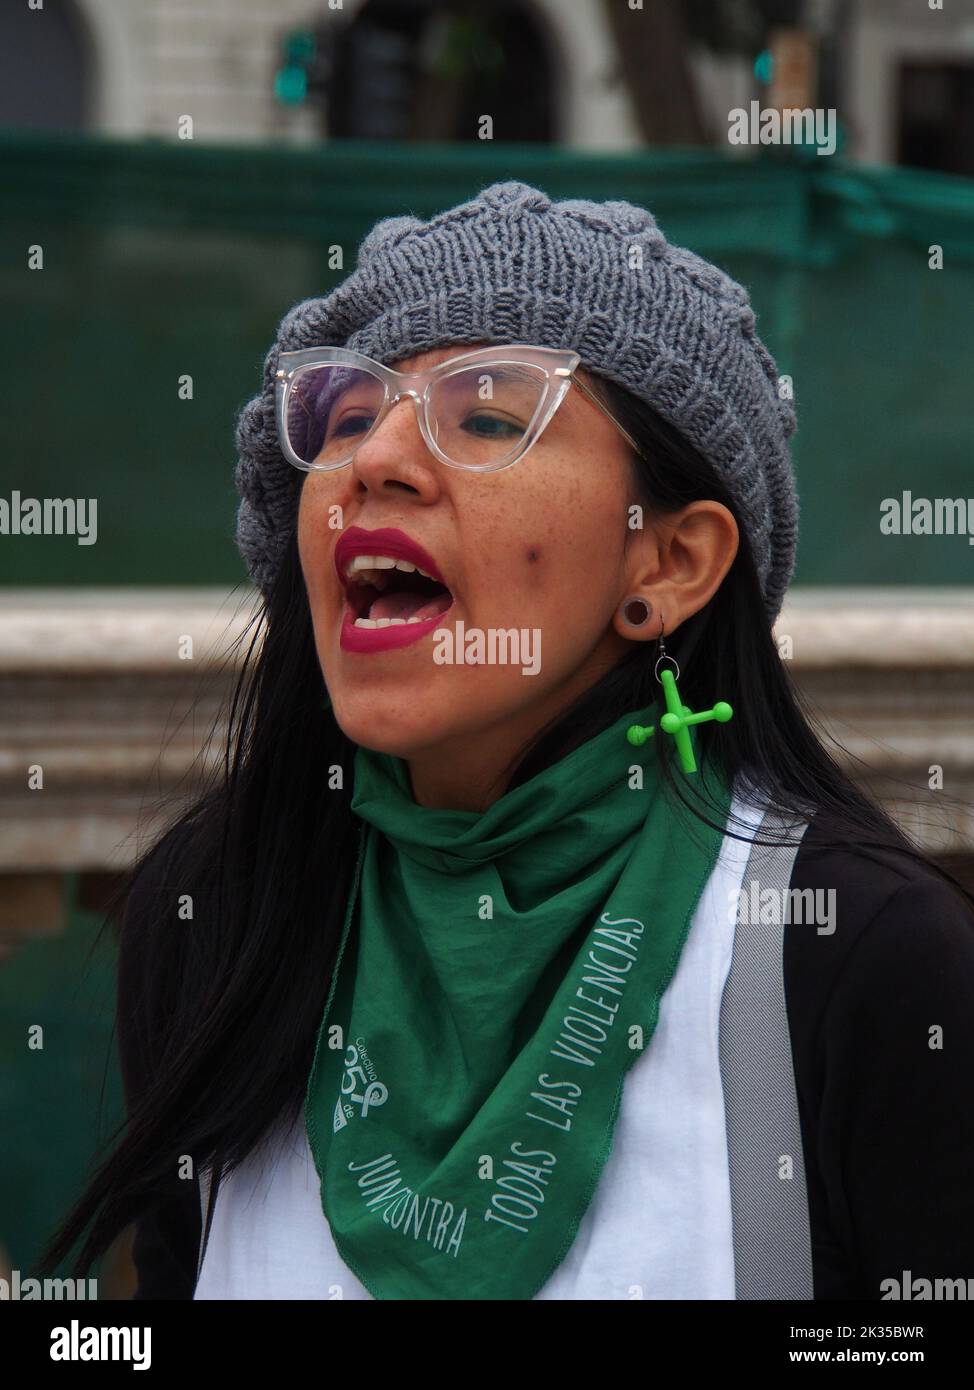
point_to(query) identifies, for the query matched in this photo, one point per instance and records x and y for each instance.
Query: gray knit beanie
(512, 266)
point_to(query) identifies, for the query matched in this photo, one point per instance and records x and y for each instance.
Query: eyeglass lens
(478, 415)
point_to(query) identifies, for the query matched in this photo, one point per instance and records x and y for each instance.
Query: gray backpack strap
(772, 1237)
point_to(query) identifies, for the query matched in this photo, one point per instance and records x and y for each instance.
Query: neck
(467, 776)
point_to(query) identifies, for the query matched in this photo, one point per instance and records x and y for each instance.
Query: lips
(386, 541)
(384, 604)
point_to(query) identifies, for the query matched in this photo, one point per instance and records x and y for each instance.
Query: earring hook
(663, 654)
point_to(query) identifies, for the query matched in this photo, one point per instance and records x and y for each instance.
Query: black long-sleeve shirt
(881, 1016)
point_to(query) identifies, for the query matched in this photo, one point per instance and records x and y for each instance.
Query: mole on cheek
(534, 554)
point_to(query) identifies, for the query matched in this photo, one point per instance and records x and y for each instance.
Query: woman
(493, 981)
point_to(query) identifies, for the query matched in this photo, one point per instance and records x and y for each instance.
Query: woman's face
(542, 549)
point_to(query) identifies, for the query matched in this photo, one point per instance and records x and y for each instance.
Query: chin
(401, 728)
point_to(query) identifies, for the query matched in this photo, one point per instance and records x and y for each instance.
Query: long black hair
(266, 853)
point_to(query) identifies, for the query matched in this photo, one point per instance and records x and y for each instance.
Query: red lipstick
(398, 546)
(386, 541)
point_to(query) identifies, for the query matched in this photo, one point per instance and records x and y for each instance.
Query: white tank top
(659, 1224)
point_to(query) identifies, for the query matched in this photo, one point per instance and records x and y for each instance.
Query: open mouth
(382, 591)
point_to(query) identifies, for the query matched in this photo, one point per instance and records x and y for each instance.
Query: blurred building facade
(900, 74)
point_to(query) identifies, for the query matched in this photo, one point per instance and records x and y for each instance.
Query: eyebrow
(505, 371)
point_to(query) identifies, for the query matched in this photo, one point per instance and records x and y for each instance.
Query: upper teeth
(381, 562)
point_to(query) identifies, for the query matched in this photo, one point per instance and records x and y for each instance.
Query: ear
(692, 551)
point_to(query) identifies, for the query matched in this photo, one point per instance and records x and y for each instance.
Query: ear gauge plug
(635, 612)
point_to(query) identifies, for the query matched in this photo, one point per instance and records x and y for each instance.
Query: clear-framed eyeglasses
(481, 410)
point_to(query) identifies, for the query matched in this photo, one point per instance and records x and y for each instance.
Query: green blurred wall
(163, 259)
(60, 1101)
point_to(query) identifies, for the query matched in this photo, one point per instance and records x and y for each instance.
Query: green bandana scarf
(501, 974)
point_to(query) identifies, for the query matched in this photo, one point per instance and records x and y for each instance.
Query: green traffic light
(299, 47)
(291, 85)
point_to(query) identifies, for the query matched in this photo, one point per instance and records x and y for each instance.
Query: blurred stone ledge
(94, 689)
(139, 631)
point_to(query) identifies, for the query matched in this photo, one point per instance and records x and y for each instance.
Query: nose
(395, 455)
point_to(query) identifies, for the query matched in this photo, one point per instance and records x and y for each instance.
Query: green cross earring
(678, 717)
